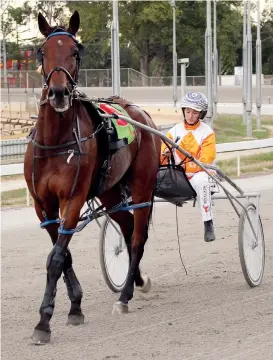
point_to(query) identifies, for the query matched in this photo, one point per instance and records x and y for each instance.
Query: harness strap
(49, 222)
(78, 141)
(119, 207)
(56, 147)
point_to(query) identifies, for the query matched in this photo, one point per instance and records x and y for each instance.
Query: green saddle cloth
(124, 130)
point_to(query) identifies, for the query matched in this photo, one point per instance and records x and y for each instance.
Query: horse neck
(54, 128)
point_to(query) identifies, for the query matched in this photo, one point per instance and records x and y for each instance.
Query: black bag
(173, 185)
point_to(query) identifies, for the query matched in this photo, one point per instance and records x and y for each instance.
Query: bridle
(40, 57)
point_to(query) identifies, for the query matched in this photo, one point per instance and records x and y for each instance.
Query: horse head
(60, 57)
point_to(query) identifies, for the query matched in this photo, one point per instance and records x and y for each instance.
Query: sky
(31, 30)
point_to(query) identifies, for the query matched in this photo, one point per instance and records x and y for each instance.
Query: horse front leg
(73, 286)
(59, 260)
(74, 290)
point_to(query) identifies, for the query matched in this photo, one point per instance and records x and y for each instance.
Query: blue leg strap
(48, 222)
(123, 207)
(63, 231)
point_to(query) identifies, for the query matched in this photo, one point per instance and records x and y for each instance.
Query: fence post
(238, 164)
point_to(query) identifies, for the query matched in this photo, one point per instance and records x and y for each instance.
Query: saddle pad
(123, 128)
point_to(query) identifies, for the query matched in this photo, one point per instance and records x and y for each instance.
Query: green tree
(229, 35)
(94, 32)
(146, 34)
(11, 19)
(139, 27)
(267, 41)
(52, 11)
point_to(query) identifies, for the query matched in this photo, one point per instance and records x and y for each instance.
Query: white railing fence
(238, 147)
(30, 79)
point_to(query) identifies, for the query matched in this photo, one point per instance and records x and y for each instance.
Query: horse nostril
(58, 93)
(66, 92)
(50, 94)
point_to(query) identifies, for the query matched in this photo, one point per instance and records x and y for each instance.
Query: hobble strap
(49, 222)
(64, 231)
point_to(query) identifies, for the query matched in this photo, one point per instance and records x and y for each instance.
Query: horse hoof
(40, 337)
(120, 308)
(75, 320)
(147, 284)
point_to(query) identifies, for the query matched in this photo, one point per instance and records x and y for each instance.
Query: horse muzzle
(59, 98)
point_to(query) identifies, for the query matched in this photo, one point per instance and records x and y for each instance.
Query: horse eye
(76, 53)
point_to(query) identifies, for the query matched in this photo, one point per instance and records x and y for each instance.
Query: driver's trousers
(200, 183)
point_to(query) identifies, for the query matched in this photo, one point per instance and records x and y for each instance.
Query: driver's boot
(209, 231)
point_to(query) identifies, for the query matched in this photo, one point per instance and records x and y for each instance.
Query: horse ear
(44, 27)
(74, 23)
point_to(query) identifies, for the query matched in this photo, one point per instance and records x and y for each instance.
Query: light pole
(215, 62)
(249, 74)
(115, 51)
(50, 11)
(3, 46)
(174, 55)
(258, 69)
(4, 49)
(184, 64)
(209, 65)
(244, 63)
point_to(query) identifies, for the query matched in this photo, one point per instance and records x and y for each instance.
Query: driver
(198, 139)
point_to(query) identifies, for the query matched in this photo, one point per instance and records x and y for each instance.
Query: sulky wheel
(251, 251)
(114, 258)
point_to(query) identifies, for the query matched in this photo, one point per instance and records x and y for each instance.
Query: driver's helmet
(196, 101)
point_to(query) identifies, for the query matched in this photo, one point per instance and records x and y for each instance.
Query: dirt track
(209, 314)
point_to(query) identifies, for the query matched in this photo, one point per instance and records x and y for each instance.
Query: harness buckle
(73, 94)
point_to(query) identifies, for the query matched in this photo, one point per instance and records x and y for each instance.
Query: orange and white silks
(198, 140)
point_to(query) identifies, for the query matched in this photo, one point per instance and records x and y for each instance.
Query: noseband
(40, 58)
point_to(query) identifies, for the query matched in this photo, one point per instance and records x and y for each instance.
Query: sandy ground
(209, 314)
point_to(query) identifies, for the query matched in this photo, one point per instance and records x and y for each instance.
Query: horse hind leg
(125, 220)
(140, 236)
(74, 291)
(142, 187)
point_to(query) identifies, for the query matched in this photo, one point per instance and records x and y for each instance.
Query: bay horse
(64, 164)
